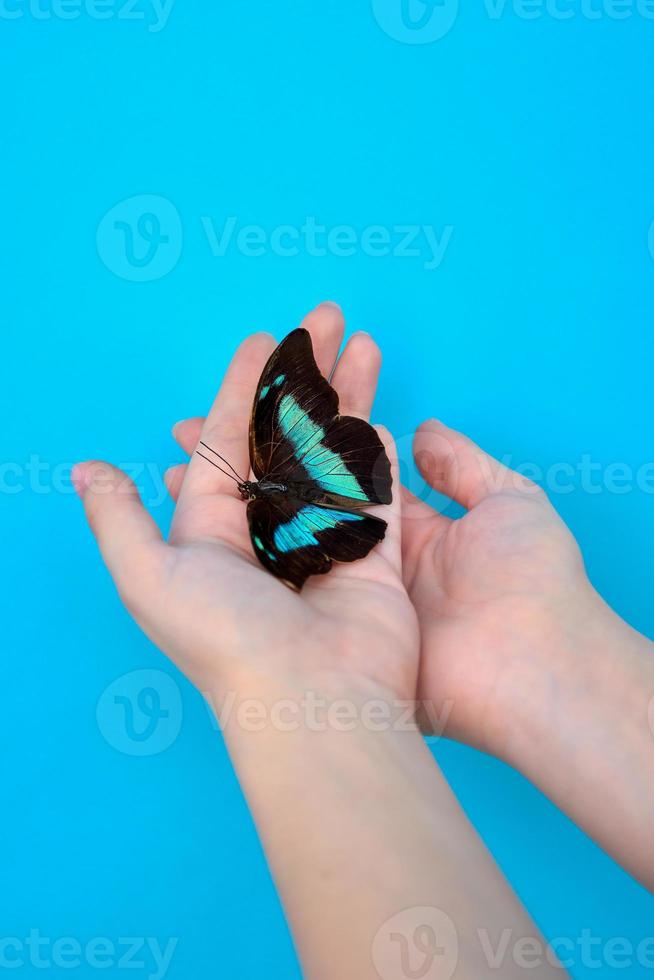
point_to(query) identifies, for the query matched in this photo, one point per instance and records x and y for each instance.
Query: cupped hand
(202, 596)
(518, 654)
(501, 594)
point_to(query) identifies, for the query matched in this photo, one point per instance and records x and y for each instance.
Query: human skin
(357, 821)
(519, 655)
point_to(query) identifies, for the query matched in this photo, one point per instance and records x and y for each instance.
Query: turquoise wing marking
(327, 468)
(275, 384)
(300, 531)
(258, 543)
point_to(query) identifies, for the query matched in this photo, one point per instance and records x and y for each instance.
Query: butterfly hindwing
(294, 539)
(298, 437)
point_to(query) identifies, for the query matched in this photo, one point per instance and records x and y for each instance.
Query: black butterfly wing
(298, 437)
(294, 539)
(291, 369)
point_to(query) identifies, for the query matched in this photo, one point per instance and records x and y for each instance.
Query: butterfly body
(306, 491)
(315, 471)
(258, 489)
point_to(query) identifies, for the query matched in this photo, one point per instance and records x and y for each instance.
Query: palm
(485, 588)
(204, 598)
(357, 619)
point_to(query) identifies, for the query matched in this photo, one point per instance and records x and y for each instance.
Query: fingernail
(79, 478)
(361, 333)
(331, 303)
(176, 427)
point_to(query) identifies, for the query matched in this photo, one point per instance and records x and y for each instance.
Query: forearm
(584, 734)
(359, 827)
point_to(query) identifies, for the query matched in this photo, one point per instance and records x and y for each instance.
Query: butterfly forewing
(318, 469)
(298, 438)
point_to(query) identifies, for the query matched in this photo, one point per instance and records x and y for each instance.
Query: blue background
(532, 140)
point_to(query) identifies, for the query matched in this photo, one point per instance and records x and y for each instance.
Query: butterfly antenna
(216, 465)
(222, 458)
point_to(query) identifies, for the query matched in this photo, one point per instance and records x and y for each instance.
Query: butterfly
(315, 471)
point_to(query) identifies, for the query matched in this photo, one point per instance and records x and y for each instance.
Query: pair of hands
(468, 616)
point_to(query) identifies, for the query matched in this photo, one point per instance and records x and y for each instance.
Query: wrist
(583, 733)
(248, 701)
(588, 672)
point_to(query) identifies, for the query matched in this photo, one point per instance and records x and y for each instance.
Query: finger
(326, 325)
(452, 464)
(129, 540)
(420, 525)
(226, 427)
(173, 478)
(187, 433)
(356, 374)
(391, 546)
(417, 511)
(355, 379)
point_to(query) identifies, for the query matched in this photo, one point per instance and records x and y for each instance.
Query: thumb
(129, 540)
(452, 464)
